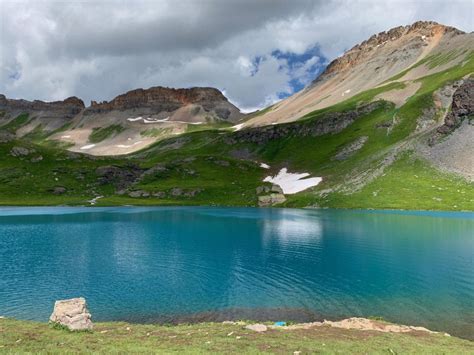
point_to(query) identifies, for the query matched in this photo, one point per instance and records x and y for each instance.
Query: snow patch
(66, 136)
(89, 146)
(131, 119)
(147, 120)
(127, 146)
(292, 183)
(238, 127)
(265, 166)
(346, 92)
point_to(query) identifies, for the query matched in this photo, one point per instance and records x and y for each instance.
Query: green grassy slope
(30, 337)
(203, 166)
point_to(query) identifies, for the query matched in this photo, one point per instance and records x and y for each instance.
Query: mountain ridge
(371, 63)
(393, 131)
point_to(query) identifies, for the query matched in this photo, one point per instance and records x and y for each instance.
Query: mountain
(402, 54)
(127, 123)
(389, 124)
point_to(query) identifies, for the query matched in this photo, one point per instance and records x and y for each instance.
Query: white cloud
(96, 50)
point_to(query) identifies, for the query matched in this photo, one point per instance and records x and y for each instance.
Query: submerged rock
(72, 313)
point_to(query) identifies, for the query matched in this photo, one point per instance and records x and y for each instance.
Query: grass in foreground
(25, 336)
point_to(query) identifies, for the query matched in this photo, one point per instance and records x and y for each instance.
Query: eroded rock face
(360, 52)
(331, 123)
(162, 99)
(120, 177)
(6, 137)
(72, 313)
(462, 106)
(351, 148)
(67, 108)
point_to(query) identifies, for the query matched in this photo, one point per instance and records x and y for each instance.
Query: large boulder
(72, 313)
(270, 200)
(259, 328)
(20, 152)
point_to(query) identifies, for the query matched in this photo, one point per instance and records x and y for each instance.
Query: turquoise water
(181, 264)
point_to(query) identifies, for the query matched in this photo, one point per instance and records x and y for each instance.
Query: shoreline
(276, 208)
(345, 336)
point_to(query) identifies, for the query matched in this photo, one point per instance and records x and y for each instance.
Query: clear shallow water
(163, 264)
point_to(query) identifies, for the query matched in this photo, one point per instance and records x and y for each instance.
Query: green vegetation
(16, 123)
(205, 166)
(406, 183)
(155, 132)
(31, 337)
(354, 101)
(261, 112)
(433, 61)
(208, 126)
(101, 133)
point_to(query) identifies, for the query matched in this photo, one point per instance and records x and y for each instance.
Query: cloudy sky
(255, 51)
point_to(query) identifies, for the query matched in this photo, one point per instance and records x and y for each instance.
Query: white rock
(257, 327)
(72, 313)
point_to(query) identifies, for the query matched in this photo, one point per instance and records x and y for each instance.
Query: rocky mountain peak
(73, 105)
(159, 96)
(420, 32)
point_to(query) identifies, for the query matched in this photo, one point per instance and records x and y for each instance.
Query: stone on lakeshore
(72, 313)
(277, 189)
(272, 199)
(257, 327)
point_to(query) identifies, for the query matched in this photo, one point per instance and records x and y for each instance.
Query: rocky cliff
(67, 108)
(462, 107)
(162, 99)
(422, 31)
(403, 54)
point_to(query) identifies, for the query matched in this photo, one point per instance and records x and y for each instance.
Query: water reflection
(163, 263)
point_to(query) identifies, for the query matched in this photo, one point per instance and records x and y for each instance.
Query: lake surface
(181, 264)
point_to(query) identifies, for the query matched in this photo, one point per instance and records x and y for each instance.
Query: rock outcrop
(270, 200)
(404, 53)
(66, 109)
(360, 324)
(72, 313)
(462, 107)
(162, 99)
(331, 123)
(350, 149)
(270, 195)
(360, 52)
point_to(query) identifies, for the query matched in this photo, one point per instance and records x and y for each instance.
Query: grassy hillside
(210, 166)
(30, 337)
